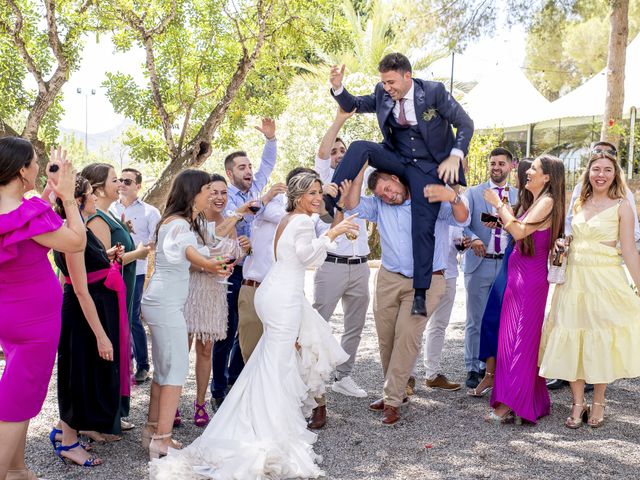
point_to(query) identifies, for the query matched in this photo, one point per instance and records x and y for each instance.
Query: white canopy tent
(504, 97)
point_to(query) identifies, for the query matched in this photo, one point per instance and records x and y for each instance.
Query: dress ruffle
(33, 217)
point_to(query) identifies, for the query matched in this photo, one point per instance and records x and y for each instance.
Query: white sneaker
(347, 386)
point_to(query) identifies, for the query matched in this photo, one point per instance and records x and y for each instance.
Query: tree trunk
(38, 145)
(618, 37)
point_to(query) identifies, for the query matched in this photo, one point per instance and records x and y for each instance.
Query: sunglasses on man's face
(127, 181)
(609, 151)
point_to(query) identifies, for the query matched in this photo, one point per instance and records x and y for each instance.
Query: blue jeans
(137, 330)
(227, 360)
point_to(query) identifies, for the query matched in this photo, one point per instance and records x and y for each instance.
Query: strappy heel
(508, 417)
(597, 423)
(147, 434)
(55, 442)
(200, 415)
(177, 420)
(475, 393)
(90, 462)
(159, 452)
(576, 422)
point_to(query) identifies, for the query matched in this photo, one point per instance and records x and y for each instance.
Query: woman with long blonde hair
(592, 333)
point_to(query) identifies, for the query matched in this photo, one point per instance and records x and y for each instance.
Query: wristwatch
(456, 200)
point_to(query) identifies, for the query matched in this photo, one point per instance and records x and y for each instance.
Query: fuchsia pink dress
(30, 306)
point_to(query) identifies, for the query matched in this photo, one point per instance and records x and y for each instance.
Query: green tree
(40, 41)
(207, 62)
(567, 43)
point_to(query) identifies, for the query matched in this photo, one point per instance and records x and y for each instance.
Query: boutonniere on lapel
(429, 114)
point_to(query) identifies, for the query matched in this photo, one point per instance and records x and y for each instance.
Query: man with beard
(244, 186)
(482, 260)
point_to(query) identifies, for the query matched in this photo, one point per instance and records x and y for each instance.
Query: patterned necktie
(498, 232)
(402, 118)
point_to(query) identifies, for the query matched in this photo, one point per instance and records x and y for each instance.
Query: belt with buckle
(345, 260)
(251, 283)
(494, 256)
(438, 272)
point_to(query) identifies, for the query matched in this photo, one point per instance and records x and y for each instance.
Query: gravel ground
(441, 435)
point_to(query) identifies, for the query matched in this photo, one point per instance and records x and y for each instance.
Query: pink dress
(517, 383)
(31, 300)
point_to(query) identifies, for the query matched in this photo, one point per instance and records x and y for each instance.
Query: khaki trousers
(399, 332)
(249, 324)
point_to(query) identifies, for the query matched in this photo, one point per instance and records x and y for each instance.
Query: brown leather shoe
(442, 383)
(390, 415)
(378, 405)
(318, 418)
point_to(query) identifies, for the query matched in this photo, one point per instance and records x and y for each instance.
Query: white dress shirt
(344, 247)
(263, 231)
(144, 218)
(504, 236)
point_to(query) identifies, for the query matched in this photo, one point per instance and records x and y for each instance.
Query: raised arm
(521, 229)
(351, 190)
(269, 154)
(323, 159)
(348, 102)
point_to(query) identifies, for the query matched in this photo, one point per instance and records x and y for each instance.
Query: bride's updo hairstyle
(297, 185)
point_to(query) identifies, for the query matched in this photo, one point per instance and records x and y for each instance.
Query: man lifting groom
(415, 117)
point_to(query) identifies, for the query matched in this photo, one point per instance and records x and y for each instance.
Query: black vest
(407, 141)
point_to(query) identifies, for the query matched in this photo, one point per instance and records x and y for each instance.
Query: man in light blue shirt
(243, 187)
(399, 332)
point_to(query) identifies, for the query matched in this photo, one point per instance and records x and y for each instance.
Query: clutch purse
(557, 273)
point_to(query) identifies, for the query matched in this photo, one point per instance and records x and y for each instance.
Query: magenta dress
(31, 300)
(517, 383)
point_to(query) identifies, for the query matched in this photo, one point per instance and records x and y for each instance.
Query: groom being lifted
(418, 146)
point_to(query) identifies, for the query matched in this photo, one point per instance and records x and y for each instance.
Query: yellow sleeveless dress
(593, 329)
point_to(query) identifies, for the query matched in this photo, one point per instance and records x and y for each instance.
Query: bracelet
(456, 200)
(69, 203)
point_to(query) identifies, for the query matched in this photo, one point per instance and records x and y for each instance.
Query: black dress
(88, 386)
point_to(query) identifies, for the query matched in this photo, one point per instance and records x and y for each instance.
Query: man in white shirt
(257, 265)
(344, 276)
(143, 219)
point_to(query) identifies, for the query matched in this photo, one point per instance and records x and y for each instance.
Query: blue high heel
(52, 437)
(54, 443)
(90, 462)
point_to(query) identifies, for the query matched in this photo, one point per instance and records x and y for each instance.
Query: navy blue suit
(413, 153)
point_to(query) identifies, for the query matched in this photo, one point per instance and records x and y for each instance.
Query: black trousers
(415, 175)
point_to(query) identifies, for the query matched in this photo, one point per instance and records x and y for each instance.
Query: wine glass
(458, 242)
(255, 199)
(227, 249)
(352, 237)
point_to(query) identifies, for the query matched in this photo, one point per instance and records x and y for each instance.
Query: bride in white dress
(260, 431)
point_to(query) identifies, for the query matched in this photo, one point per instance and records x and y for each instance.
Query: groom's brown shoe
(318, 418)
(390, 415)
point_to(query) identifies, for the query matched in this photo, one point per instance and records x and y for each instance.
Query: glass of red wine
(458, 242)
(227, 249)
(256, 204)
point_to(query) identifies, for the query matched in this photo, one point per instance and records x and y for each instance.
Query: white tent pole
(632, 138)
(529, 138)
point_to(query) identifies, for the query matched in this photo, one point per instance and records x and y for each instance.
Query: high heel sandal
(597, 423)
(147, 433)
(475, 393)
(200, 415)
(90, 462)
(55, 442)
(576, 422)
(508, 417)
(162, 452)
(97, 437)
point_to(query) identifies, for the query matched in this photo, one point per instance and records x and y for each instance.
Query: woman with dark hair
(163, 302)
(491, 317)
(93, 353)
(260, 431)
(592, 333)
(30, 295)
(206, 308)
(518, 389)
(112, 231)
